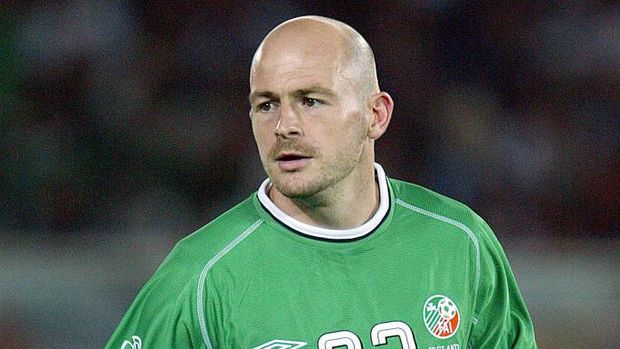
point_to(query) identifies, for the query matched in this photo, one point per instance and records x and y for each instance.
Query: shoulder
(166, 303)
(182, 267)
(193, 251)
(418, 198)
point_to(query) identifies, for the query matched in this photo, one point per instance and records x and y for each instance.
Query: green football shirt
(424, 272)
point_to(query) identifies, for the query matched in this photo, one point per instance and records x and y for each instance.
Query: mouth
(291, 157)
(292, 161)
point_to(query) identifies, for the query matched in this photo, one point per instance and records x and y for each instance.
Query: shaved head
(316, 111)
(319, 34)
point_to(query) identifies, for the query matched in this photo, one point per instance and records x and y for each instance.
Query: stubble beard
(323, 173)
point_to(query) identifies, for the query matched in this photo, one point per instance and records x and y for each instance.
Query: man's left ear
(382, 106)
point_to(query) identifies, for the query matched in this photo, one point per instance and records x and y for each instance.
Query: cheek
(263, 136)
(354, 127)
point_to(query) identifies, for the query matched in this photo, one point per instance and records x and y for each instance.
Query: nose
(289, 123)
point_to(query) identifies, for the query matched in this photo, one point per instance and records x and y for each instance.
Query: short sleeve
(501, 319)
(162, 316)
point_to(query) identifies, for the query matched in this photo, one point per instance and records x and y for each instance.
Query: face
(308, 118)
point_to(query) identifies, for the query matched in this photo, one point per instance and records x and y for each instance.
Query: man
(329, 253)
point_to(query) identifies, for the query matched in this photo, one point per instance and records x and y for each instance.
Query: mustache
(286, 146)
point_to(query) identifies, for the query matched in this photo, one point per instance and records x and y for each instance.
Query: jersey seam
(455, 223)
(203, 276)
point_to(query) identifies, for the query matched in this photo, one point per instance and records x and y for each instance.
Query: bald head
(315, 35)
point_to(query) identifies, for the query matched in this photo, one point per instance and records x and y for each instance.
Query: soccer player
(330, 252)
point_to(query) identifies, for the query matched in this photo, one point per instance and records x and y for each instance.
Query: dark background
(124, 127)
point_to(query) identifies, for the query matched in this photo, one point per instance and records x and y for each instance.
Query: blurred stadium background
(124, 127)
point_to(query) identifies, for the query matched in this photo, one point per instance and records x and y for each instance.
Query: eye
(264, 107)
(310, 102)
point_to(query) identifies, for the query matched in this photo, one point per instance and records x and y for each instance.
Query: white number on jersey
(337, 339)
(378, 335)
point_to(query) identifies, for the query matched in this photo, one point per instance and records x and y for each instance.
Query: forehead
(298, 57)
(290, 71)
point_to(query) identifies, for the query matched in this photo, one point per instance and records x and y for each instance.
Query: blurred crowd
(118, 114)
(124, 117)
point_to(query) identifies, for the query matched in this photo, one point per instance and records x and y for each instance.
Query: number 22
(378, 335)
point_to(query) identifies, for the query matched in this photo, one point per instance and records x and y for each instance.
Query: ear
(382, 106)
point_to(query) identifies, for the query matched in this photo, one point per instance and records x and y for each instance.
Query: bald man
(329, 252)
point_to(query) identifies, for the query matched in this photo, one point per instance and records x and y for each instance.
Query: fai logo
(441, 316)
(281, 344)
(136, 343)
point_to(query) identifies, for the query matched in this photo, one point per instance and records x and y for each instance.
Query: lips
(291, 157)
(292, 161)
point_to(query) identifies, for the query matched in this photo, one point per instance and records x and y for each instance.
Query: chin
(295, 188)
(296, 193)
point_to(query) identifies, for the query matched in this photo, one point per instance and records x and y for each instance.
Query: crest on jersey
(441, 316)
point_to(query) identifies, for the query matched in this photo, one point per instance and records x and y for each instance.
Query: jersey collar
(331, 234)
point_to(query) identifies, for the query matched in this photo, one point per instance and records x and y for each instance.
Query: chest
(397, 297)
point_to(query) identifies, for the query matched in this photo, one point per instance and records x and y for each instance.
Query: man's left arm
(501, 318)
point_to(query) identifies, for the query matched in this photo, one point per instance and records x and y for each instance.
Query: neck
(347, 205)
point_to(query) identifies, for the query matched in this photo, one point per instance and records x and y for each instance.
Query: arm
(501, 317)
(161, 316)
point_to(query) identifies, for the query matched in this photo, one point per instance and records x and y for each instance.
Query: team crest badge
(441, 316)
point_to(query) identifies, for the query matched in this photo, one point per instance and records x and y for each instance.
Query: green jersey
(423, 272)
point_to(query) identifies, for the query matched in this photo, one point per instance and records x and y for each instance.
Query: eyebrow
(297, 93)
(264, 94)
(314, 89)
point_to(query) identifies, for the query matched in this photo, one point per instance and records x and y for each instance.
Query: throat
(331, 210)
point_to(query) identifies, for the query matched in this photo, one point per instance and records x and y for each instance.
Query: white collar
(335, 234)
